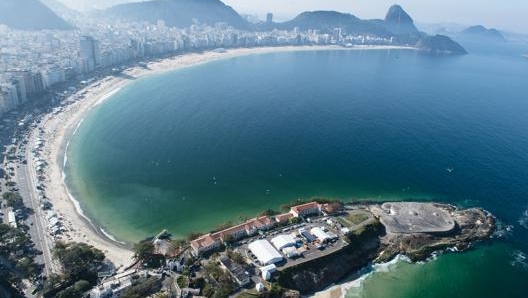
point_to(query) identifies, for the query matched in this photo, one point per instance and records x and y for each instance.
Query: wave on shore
(352, 288)
(110, 236)
(106, 96)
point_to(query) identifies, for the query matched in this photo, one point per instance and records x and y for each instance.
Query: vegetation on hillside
(80, 263)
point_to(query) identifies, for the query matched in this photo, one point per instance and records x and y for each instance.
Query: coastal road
(27, 182)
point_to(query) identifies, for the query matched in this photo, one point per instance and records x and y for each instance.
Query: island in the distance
(309, 246)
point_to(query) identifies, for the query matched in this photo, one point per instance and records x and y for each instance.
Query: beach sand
(59, 127)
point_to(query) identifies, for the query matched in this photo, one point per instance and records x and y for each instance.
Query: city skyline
(501, 15)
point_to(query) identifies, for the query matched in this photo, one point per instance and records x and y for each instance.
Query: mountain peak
(440, 45)
(480, 32)
(30, 15)
(399, 22)
(178, 13)
(396, 15)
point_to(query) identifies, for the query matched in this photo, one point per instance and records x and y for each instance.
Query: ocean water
(194, 148)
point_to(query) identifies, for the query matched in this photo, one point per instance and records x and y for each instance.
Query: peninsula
(307, 248)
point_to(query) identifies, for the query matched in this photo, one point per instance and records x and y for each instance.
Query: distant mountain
(62, 10)
(482, 33)
(399, 22)
(178, 13)
(440, 45)
(327, 21)
(30, 15)
(89, 5)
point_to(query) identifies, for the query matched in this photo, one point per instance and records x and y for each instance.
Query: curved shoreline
(60, 128)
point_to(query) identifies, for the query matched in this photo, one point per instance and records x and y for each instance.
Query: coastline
(59, 128)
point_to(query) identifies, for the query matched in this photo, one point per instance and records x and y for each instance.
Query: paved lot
(410, 217)
(310, 251)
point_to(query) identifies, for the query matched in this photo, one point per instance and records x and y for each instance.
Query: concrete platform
(411, 217)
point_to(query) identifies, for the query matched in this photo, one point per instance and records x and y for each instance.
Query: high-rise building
(3, 103)
(90, 51)
(21, 81)
(269, 18)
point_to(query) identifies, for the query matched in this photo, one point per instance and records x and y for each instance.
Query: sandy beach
(58, 128)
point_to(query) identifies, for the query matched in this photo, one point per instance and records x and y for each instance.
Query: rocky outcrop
(375, 245)
(320, 273)
(399, 22)
(440, 45)
(471, 225)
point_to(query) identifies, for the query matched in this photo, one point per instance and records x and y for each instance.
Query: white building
(12, 219)
(265, 252)
(283, 241)
(320, 234)
(290, 252)
(267, 271)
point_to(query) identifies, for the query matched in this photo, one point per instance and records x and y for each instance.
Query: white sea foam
(110, 236)
(519, 259)
(523, 220)
(107, 96)
(77, 127)
(502, 230)
(352, 288)
(77, 205)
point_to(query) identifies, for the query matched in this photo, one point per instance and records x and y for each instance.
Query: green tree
(143, 288)
(12, 240)
(69, 292)
(294, 220)
(79, 261)
(82, 286)
(236, 257)
(144, 251)
(13, 200)
(27, 266)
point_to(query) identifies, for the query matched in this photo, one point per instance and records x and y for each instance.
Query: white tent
(320, 234)
(290, 252)
(260, 287)
(266, 271)
(283, 241)
(265, 252)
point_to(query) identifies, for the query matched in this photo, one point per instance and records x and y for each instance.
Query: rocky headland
(415, 230)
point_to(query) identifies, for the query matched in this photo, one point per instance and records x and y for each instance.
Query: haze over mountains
(30, 15)
(482, 33)
(179, 13)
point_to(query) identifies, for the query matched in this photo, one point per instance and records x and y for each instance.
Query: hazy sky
(502, 14)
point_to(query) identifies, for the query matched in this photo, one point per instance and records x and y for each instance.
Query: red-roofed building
(213, 241)
(205, 243)
(306, 209)
(282, 218)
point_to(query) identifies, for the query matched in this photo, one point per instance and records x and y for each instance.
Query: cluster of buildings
(33, 62)
(213, 241)
(114, 286)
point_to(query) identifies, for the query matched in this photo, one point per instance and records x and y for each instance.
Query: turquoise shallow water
(197, 147)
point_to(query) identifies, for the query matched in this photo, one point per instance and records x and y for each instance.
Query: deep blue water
(199, 146)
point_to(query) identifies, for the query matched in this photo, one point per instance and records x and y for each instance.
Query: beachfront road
(27, 182)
